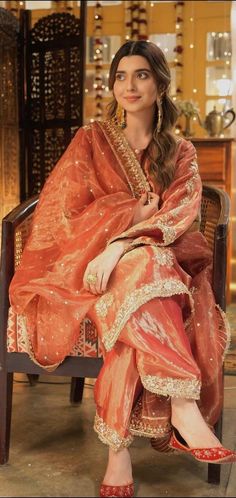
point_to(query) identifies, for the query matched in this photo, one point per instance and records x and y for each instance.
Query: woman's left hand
(98, 271)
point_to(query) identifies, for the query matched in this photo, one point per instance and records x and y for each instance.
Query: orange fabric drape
(158, 321)
(87, 202)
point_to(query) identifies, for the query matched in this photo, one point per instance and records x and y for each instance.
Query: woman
(114, 238)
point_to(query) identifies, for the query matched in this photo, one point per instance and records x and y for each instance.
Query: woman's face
(135, 88)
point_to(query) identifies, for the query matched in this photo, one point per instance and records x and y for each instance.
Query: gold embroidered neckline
(126, 157)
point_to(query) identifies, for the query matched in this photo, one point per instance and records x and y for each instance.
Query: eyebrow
(136, 70)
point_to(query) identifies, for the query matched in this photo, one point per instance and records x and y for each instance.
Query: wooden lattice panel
(9, 153)
(54, 94)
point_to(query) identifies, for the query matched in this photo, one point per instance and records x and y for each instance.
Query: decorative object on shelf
(15, 7)
(178, 49)
(190, 110)
(216, 122)
(135, 20)
(62, 6)
(98, 57)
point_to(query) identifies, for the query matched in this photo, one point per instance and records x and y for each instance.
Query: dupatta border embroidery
(165, 222)
(225, 331)
(148, 426)
(126, 157)
(22, 320)
(139, 428)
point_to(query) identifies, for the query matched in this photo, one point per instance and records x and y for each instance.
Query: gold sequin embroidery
(103, 304)
(87, 127)
(110, 436)
(164, 257)
(137, 298)
(178, 388)
(28, 346)
(126, 157)
(165, 221)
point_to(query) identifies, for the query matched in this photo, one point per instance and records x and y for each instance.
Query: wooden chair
(15, 228)
(215, 210)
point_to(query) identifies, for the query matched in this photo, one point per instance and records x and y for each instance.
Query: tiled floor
(55, 452)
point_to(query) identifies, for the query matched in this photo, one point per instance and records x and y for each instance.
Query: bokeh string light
(192, 47)
(98, 58)
(178, 56)
(136, 20)
(179, 48)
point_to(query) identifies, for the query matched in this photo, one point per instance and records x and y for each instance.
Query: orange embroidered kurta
(161, 286)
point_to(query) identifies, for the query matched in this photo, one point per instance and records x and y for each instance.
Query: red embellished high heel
(125, 490)
(208, 455)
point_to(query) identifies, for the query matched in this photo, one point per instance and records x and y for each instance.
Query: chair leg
(76, 389)
(214, 473)
(33, 379)
(6, 384)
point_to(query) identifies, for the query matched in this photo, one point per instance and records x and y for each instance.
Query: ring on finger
(91, 278)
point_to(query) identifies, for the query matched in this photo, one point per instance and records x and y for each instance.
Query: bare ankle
(188, 420)
(120, 455)
(119, 468)
(181, 408)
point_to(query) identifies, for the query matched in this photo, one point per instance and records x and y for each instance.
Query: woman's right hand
(146, 207)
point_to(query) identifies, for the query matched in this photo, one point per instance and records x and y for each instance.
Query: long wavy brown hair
(162, 147)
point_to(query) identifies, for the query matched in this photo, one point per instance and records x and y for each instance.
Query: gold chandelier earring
(159, 115)
(121, 117)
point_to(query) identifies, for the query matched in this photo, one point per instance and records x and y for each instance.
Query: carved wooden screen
(9, 166)
(52, 68)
